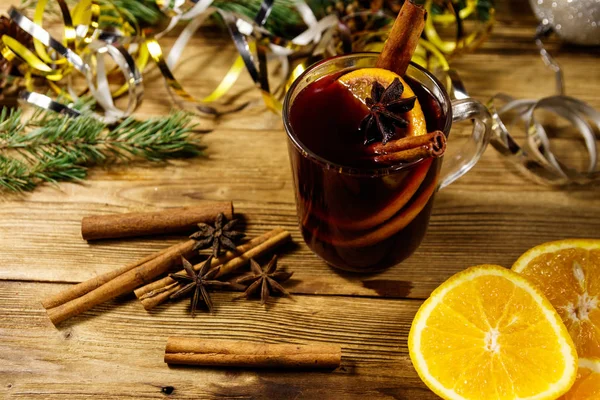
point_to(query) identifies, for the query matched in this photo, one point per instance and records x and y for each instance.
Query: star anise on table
(267, 280)
(221, 235)
(386, 109)
(198, 282)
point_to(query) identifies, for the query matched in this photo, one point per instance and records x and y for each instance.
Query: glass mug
(365, 219)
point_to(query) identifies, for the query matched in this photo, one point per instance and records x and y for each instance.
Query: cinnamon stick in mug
(172, 220)
(411, 148)
(229, 353)
(403, 38)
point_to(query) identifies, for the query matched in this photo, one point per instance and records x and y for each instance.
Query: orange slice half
(568, 273)
(360, 81)
(587, 384)
(487, 333)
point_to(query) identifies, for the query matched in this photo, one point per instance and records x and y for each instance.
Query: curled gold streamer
(69, 32)
(461, 42)
(84, 26)
(11, 48)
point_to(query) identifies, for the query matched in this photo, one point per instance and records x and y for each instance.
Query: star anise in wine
(197, 282)
(386, 110)
(222, 235)
(265, 280)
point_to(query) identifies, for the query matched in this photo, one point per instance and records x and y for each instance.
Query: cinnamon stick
(82, 288)
(121, 284)
(403, 38)
(410, 148)
(229, 353)
(152, 223)
(155, 293)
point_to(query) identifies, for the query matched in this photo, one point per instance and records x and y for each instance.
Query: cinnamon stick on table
(152, 223)
(159, 291)
(228, 353)
(122, 283)
(403, 38)
(82, 288)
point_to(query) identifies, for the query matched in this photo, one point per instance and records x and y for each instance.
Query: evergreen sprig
(48, 147)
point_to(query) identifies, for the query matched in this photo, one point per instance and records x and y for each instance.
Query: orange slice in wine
(568, 272)
(360, 81)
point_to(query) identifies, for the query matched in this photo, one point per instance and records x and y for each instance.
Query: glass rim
(306, 152)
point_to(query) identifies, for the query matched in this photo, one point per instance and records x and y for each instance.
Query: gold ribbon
(84, 26)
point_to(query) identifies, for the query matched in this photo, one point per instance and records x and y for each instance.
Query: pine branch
(48, 147)
(18, 176)
(284, 19)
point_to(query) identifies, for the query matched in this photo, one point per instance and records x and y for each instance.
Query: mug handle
(464, 160)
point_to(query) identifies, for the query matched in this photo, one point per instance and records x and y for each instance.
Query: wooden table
(491, 215)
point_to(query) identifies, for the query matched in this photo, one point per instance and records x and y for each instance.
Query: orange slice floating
(360, 81)
(488, 333)
(410, 186)
(587, 383)
(568, 273)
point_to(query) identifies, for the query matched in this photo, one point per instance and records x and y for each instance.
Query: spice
(78, 290)
(386, 112)
(410, 148)
(230, 353)
(267, 279)
(221, 235)
(198, 282)
(160, 290)
(121, 284)
(403, 38)
(152, 223)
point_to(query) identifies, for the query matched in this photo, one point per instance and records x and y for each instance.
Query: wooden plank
(466, 229)
(490, 216)
(116, 350)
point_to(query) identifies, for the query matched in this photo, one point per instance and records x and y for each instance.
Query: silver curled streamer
(535, 157)
(43, 36)
(100, 90)
(241, 29)
(316, 42)
(45, 102)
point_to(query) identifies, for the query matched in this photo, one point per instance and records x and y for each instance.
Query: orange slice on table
(587, 384)
(488, 333)
(568, 272)
(360, 81)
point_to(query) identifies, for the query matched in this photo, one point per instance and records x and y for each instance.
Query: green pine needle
(48, 147)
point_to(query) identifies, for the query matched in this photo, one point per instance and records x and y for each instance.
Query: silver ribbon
(535, 157)
(45, 102)
(93, 55)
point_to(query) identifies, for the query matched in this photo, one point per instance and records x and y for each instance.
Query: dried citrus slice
(568, 272)
(360, 81)
(587, 383)
(487, 333)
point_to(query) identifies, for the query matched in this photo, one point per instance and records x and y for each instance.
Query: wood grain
(116, 350)
(491, 215)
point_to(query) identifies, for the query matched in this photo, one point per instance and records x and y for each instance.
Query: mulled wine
(355, 212)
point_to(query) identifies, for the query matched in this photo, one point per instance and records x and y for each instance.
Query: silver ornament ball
(575, 21)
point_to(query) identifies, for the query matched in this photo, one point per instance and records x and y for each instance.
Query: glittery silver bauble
(575, 21)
